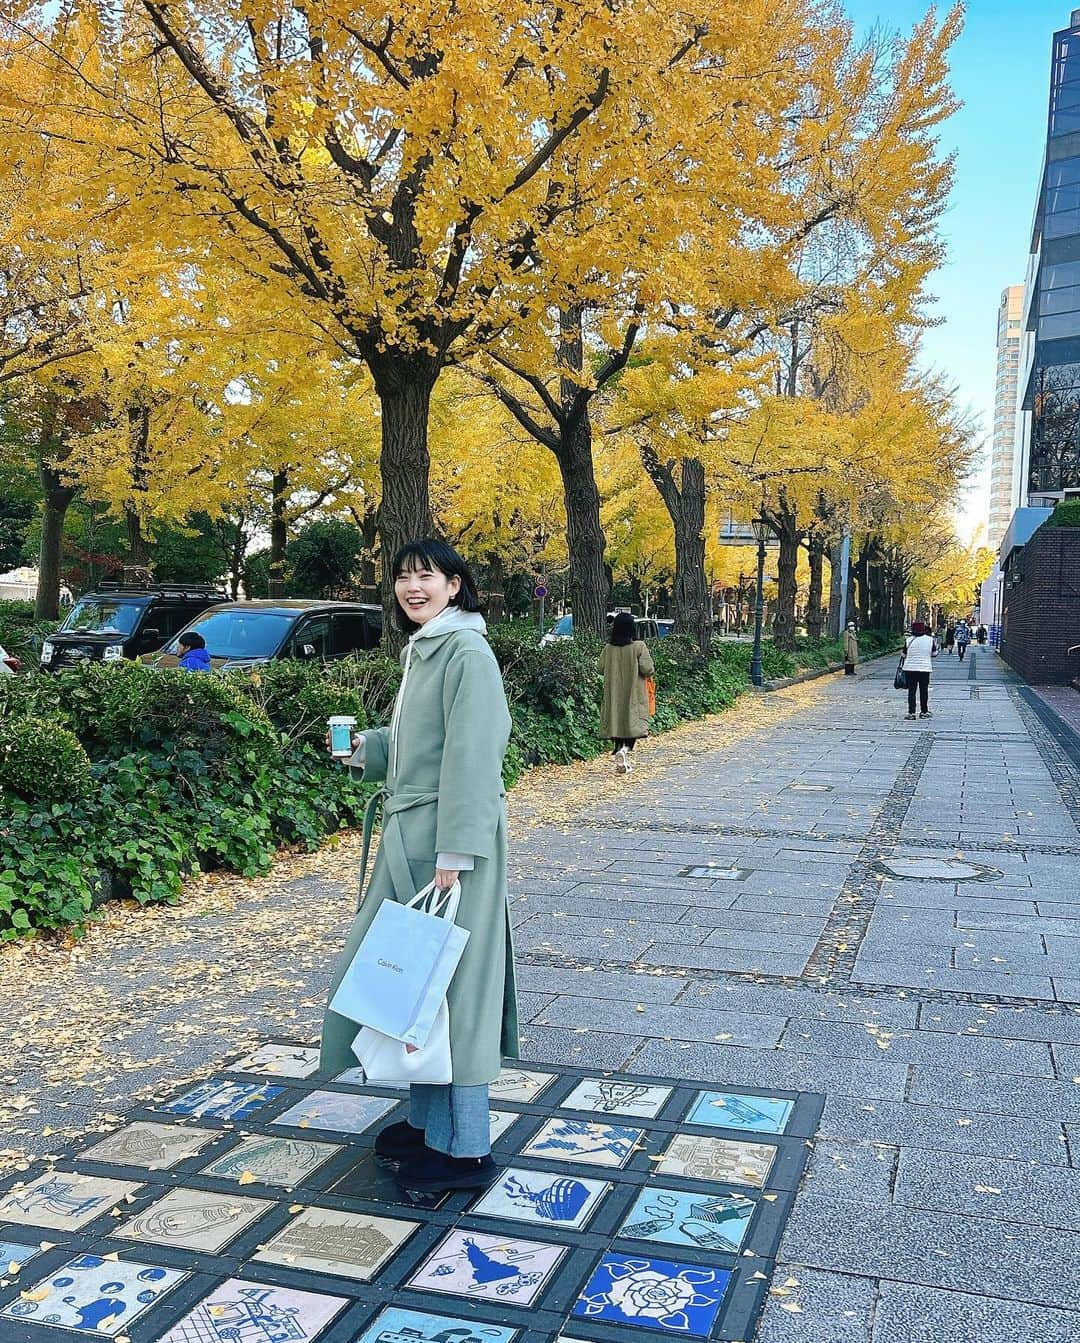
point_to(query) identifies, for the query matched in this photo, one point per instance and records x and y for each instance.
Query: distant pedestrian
(981, 634)
(851, 649)
(919, 653)
(624, 714)
(193, 654)
(950, 638)
(963, 638)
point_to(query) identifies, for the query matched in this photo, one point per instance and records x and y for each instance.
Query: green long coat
(444, 794)
(625, 710)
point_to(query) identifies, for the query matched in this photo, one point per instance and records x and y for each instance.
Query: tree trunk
(279, 530)
(496, 587)
(861, 574)
(588, 585)
(404, 388)
(876, 587)
(783, 630)
(691, 582)
(58, 497)
(137, 545)
(815, 612)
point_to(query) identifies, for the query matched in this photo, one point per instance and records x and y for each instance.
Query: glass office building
(1048, 417)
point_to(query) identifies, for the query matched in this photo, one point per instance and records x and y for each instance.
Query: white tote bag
(387, 1062)
(403, 966)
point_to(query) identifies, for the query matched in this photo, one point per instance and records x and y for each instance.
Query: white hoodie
(449, 619)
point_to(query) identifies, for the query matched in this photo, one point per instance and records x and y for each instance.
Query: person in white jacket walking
(919, 653)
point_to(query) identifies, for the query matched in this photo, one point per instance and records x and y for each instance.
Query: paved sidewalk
(813, 896)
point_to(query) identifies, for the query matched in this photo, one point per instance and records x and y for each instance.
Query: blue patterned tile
(732, 1109)
(11, 1252)
(254, 1312)
(93, 1295)
(577, 1140)
(653, 1294)
(222, 1100)
(496, 1268)
(414, 1326)
(538, 1196)
(678, 1217)
(336, 1111)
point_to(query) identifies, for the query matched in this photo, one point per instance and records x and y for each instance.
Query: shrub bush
(41, 760)
(20, 633)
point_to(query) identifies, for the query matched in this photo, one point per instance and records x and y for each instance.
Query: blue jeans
(454, 1119)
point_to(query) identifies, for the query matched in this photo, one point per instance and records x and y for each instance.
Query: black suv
(243, 634)
(120, 621)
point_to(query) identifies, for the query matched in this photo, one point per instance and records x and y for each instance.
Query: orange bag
(650, 694)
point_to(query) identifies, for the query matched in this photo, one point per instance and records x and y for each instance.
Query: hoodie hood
(196, 659)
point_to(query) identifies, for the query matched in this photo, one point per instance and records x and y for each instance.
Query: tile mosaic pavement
(347, 1244)
(601, 1227)
(678, 1217)
(255, 1312)
(223, 1100)
(413, 1326)
(577, 1140)
(13, 1252)
(717, 1159)
(62, 1201)
(150, 1146)
(608, 1095)
(278, 1161)
(628, 1290)
(727, 1109)
(520, 1084)
(194, 1219)
(92, 1295)
(336, 1111)
(279, 1061)
(521, 1195)
(493, 1268)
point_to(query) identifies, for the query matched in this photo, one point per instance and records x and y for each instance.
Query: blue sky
(1001, 72)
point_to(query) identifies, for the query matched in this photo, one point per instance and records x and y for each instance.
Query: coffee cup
(341, 734)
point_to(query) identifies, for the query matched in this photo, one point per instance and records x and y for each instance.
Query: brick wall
(1041, 613)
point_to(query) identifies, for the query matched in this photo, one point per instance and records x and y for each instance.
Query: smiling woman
(443, 818)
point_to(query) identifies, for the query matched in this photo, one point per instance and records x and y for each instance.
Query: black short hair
(432, 553)
(191, 640)
(623, 629)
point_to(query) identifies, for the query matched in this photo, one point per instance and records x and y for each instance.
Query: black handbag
(900, 679)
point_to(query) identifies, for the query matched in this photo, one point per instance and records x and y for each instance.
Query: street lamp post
(761, 531)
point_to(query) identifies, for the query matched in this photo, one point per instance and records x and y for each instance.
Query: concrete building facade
(1003, 444)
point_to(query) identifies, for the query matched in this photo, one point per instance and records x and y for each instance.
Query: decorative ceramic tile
(284, 1161)
(152, 1146)
(653, 1294)
(716, 872)
(498, 1268)
(518, 1084)
(500, 1121)
(223, 1100)
(62, 1201)
(348, 1244)
(338, 1111)
(354, 1077)
(252, 1312)
(577, 1140)
(12, 1252)
(719, 1159)
(677, 1217)
(279, 1061)
(414, 1326)
(603, 1095)
(372, 1180)
(538, 1196)
(731, 1109)
(194, 1219)
(93, 1295)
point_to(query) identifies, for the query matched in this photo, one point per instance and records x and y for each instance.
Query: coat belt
(391, 842)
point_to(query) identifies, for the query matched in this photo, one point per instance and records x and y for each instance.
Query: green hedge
(118, 779)
(20, 633)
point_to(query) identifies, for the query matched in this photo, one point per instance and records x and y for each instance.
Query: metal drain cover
(936, 869)
(717, 873)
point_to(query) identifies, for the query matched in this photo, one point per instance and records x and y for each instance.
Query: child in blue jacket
(193, 654)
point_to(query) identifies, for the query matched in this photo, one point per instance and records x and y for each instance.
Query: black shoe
(398, 1141)
(435, 1172)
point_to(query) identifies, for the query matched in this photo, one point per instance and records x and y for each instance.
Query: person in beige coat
(624, 713)
(851, 649)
